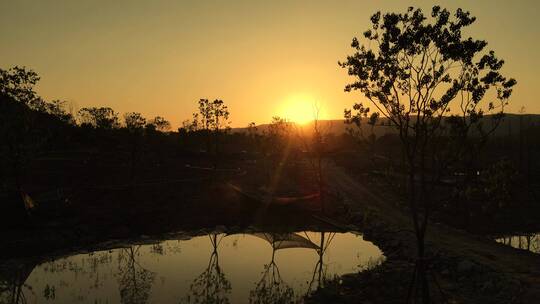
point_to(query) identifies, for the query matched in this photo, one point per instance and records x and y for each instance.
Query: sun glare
(299, 109)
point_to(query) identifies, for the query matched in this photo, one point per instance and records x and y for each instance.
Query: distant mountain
(509, 126)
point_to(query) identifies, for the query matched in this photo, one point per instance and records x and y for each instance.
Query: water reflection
(211, 286)
(134, 281)
(319, 272)
(271, 288)
(12, 282)
(215, 268)
(529, 241)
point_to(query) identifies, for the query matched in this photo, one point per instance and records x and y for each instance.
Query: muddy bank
(87, 198)
(463, 268)
(452, 279)
(149, 211)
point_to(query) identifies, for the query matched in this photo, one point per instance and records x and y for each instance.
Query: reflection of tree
(12, 278)
(211, 286)
(135, 282)
(319, 272)
(529, 242)
(271, 288)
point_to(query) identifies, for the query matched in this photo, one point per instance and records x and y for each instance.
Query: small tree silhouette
(276, 148)
(160, 124)
(213, 120)
(317, 146)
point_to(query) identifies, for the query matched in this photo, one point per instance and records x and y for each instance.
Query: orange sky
(160, 57)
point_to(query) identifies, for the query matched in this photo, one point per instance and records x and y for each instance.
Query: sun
(299, 109)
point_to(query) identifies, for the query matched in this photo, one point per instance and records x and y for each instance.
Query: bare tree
(276, 148)
(315, 144)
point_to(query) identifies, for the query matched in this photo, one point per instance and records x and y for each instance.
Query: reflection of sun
(298, 108)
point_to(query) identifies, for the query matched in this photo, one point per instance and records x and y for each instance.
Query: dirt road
(520, 264)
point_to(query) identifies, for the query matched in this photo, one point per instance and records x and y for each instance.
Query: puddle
(529, 241)
(216, 268)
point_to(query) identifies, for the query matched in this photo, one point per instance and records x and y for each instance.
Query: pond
(214, 268)
(528, 241)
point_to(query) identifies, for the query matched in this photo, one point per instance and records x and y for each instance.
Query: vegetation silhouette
(434, 132)
(430, 82)
(316, 144)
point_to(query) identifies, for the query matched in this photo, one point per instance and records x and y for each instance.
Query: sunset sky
(263, 58)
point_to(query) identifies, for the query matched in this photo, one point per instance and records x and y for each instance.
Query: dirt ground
(172, 194)
(393, 226)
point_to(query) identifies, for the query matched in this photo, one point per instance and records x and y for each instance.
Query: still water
(529, 241)
(215, 268)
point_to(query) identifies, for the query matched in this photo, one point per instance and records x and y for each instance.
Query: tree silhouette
(213, 121)
(317, 147)
(420, 73)
(134, 121)
(18, 84)
(21, 115)
(275, 150)
(99, 118)
(253, 135)
(159, 123)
